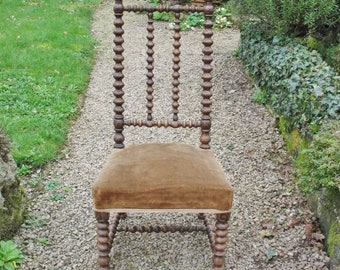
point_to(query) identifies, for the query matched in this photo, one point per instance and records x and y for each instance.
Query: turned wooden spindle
(176, 67)
(118, 76)
(150, 66)
(162, 123)
(113, 227)
(161, 229)
(220, 241)
(103, 240)
(208, 228)
(207, 77)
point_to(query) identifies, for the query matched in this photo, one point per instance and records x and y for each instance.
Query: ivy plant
(295, 82)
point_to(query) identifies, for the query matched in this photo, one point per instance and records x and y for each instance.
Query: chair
(162, 177)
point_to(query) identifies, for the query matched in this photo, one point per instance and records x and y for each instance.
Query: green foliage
(24, 170)
(314, 23)
(51, 185)
(58, 192)
(161, 16)
(294, 18)
(57, 196)
(333, 239)
(319, 164)
(332, 56)
(39, 87)
(236, 53)
(259, 96)
(32, 181)
(43, 241)
(35, 221)
(329, 51)
(195, 19)
(10, 255)
(222, 17)
(295, 82)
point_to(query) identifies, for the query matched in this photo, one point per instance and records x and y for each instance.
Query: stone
(326, 207)
(12, 203)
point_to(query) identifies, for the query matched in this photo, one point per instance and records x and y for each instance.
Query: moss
(312, 43)
(282, 125)
(295, 143)
(13, 214)
(333, 241)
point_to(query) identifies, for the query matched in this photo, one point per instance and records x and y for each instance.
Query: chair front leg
(103, 240)
(220, 242)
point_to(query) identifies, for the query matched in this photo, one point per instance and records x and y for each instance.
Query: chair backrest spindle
(205, 122)
(176, 67)
(207, 77)
(150, 66)
(118, 76)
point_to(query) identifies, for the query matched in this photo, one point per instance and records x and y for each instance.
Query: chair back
(204, 123)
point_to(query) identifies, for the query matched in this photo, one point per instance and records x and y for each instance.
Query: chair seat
(159, 177)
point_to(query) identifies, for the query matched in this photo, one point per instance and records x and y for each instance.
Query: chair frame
(108, 225)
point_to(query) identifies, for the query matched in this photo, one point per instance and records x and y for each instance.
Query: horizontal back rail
(162, 8)
(162, 123)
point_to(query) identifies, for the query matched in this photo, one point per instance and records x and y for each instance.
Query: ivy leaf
(317, 90)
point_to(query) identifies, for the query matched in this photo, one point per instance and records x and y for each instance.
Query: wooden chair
(169, 177)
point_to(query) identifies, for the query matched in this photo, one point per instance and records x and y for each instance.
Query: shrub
(296, 83)
(294, 18)
(319, 164)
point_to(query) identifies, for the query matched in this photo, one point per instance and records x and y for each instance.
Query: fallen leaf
(317, 244)
(250, 153)
(292, 223)
(318, 237)
(309, 230)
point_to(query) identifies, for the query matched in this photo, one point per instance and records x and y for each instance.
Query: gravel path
(271, 227)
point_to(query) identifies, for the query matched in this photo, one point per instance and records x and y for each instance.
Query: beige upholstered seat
(162, 177)
(167, 177)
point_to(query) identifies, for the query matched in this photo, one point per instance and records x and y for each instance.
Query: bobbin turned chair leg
(220, 243)
(103, 240)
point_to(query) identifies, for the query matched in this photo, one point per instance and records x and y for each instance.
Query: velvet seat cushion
(162, 177)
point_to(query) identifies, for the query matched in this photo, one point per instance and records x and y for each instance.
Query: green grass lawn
(46, 55)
